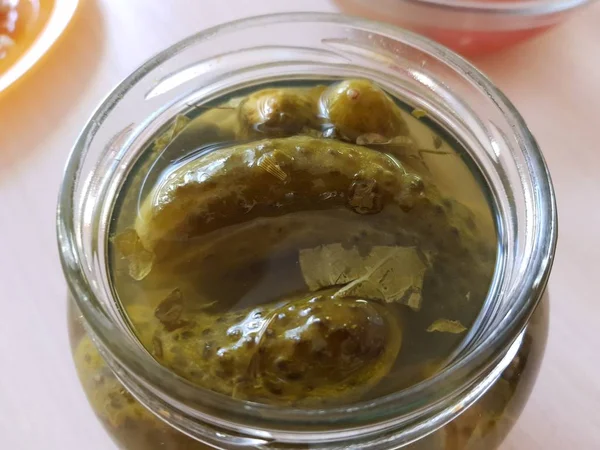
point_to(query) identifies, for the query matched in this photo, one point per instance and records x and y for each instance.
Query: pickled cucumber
(278, 112)
(355, 108)
(130, 423)
(269, 178)
(308, 349)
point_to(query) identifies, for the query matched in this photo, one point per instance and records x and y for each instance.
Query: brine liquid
(223, 282)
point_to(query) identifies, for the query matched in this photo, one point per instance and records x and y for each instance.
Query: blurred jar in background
(469, 27)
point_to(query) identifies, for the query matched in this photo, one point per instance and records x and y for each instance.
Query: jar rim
(507, 8)
(534, 280)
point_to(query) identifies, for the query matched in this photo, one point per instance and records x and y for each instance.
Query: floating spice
(446, 326)
(419, 113)
(168, 136)
(389, 274)
(129, 246)
(169, 311)
(268, 163)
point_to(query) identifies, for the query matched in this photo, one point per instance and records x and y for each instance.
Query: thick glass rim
(512, 7)
(458, 375)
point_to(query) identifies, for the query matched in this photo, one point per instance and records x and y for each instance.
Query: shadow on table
(43, 97)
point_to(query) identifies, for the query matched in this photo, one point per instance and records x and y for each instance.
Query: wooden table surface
(554, 81)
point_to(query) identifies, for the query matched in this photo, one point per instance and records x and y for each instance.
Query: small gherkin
(278, 113)
(353, 108)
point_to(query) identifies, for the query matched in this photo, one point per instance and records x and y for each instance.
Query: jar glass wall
(496, 353)
(482, 426)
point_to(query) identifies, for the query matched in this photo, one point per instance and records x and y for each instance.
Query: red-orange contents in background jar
(472, 43)
(469, 27)
(21, 22)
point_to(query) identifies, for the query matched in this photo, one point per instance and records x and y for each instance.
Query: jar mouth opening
(130, 361)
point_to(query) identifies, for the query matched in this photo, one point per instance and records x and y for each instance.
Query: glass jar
(470, 404)
(469, 27)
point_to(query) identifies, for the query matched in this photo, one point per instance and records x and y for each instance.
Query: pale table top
(554, 81)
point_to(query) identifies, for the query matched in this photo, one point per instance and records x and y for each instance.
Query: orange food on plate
(21, 22)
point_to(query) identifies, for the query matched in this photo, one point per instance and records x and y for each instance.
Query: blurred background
(59, 58)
